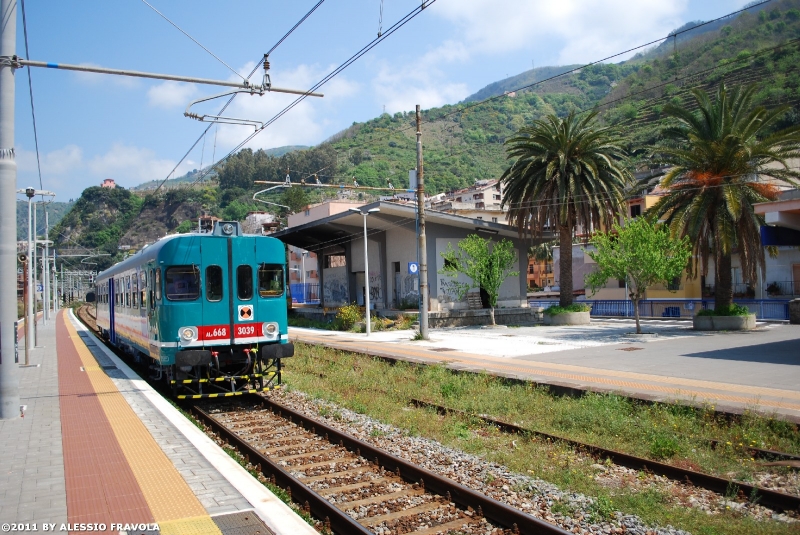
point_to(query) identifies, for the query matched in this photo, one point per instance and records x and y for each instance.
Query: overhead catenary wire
(148, 4)
(397, 25)
(30, 92)
(230, 100)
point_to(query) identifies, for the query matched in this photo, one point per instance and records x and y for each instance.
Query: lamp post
(366, 261)
(29, 320)
(303, 273)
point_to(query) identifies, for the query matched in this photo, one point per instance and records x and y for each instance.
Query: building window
(335, 260)
(636, 210)
(675, 285)
(530, 269)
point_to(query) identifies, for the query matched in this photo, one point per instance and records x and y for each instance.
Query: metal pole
(366, 273)
(30, 301)
(46, 271)
(303, 273)
(422, 241)
(35, 282)
(25, 275)
(9, 371)
(157, 76)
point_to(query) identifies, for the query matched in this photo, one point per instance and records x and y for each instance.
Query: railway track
(778, 501)
(351, 485)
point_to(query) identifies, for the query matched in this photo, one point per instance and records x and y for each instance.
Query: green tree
(487, 267)
(295, 198)
(566, 173)
(720, 152)
(642, 253)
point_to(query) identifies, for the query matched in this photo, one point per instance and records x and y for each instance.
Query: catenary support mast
(9, 372)
(423, 244)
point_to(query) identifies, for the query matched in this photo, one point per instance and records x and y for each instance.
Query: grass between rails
(671, 433)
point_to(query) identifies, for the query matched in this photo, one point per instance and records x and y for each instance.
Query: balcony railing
(307, 293)
(779, 289)
(766, 309)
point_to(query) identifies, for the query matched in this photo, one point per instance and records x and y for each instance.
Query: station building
(338, 242)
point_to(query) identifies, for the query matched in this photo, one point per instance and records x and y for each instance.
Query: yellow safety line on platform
(174, 506)
(665, 384)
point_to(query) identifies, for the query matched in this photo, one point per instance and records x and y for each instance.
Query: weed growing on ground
(678, 434)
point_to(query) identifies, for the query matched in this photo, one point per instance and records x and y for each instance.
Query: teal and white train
(206, 311)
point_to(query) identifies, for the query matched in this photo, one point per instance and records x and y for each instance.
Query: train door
(243, 312)
(153, 296)
(112, 294)
(217, 295)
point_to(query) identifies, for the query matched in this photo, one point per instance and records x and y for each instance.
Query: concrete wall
(401, 248)
(335, 287)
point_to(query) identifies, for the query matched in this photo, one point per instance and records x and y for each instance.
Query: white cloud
(401, 88)
(66, 171)
(171, 94)
(130, 166)
(589, 31)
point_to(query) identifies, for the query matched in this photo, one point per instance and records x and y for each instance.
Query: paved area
(97, 445)
(734, 371)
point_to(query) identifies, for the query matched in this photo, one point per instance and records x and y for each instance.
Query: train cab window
(143, 289)
(214, 283)
(244, 282)
(270, 280)
(157, 284)
(135, 291)
(183, 283)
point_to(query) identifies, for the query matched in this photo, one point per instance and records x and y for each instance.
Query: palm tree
(566, 173)
(720, 154)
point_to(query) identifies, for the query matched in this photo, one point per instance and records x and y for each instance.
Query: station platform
(98, 450)
(732, 372)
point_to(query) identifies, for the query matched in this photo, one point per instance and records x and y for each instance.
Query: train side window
(183, 283)
(270, 280)
(128, 292)
(143, 288)
(244, 282)
(157, 284)
(135, 290)
(214, 283)
(151, 287)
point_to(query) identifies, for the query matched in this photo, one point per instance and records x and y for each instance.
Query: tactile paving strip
(175, 508)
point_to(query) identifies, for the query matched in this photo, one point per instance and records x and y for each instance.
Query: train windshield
(183, 283)
(270, 280)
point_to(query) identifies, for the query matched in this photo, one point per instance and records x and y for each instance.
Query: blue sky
(95, 126)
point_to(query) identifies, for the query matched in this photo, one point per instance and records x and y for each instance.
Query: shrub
(733, 310)
(574, 307)
(347, 316)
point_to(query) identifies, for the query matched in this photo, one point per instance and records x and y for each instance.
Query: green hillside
(464, 142)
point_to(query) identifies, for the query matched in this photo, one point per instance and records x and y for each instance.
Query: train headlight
(188, 334)
(270, 329)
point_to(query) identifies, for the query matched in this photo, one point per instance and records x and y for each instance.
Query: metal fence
(307, 293)
(767, 309)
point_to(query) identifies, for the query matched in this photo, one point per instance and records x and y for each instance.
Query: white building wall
(401, 247)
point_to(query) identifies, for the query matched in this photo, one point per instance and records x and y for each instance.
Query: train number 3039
(245, 330)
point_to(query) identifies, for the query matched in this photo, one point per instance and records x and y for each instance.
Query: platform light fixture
(366, 261)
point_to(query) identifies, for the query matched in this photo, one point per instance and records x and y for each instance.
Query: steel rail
(766, 497)
(321, 508)
(495, 511)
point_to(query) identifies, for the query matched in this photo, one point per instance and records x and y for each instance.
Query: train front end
(222, 319)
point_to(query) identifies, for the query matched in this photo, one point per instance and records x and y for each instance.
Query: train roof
(151, 250)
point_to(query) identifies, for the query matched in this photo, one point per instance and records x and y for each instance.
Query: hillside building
(108, 183)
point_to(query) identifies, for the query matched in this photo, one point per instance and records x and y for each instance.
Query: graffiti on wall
(335, 289)
(449, 291)
(375, 288)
